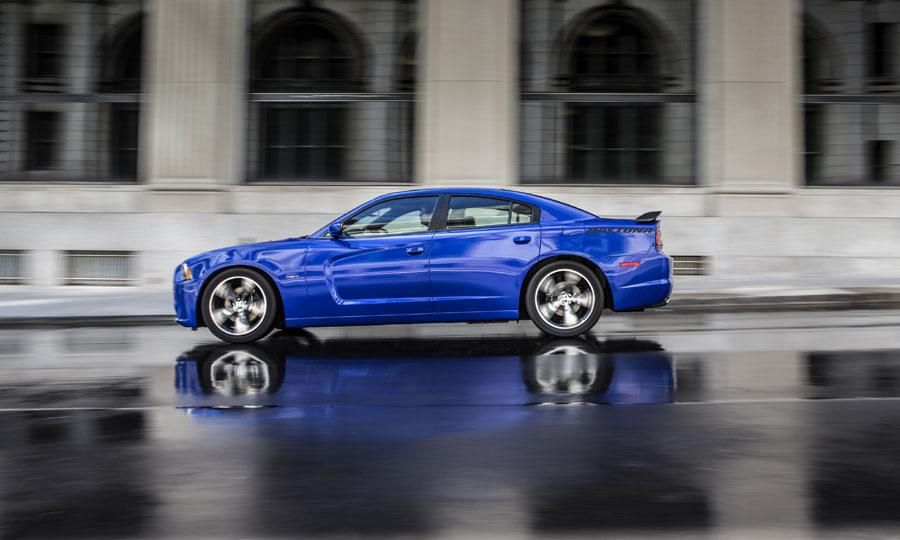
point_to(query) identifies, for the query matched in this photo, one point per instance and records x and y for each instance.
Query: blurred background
(134, 133)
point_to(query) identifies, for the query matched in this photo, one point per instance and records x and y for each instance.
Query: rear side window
(521, 213)
(467, 212)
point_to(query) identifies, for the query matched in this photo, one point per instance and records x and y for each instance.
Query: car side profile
(432, 255)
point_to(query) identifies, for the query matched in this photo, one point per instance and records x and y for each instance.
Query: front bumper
(185, 297)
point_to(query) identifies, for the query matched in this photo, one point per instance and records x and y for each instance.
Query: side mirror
(336, 230)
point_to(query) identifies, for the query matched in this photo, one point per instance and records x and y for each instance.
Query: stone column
(750, 140)
(750, 114)
(467, 116)
(193, 121)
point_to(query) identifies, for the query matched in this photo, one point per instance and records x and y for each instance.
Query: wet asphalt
(776, 425)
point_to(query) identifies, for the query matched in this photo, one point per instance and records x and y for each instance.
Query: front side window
(475, 212)
(396, 216)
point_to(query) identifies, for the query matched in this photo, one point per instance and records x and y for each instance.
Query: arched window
(613, 52)
(308, 51)
(121, 74)
(305, 51)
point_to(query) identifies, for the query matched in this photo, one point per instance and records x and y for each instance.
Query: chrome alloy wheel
(238, 305)
(564, 299)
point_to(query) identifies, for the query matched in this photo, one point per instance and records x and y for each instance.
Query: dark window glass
(44, 51)
(880, 51)
(612, 55)
(307, 54)
(406, 82)
(124, 141)
(521, 213)
(611, 142)
(42, 140)
(396, 216)
(123, 60)
(406, 64)
(304, 141)
(812, 142)
(878, 159)
(811, 73)
(472, 212)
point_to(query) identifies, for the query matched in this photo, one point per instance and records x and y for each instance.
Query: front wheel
(239, 306)
(564, 299)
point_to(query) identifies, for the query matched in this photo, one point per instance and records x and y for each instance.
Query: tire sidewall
(271, 306)
(584, 327)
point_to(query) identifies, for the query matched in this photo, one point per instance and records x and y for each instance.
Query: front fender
(282, 267)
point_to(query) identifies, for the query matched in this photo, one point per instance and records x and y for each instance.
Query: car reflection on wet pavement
(292, 370)
(350, 434)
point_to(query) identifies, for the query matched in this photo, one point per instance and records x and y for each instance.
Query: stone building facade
(134, 133)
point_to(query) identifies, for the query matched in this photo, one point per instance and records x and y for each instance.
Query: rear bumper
(646, 286)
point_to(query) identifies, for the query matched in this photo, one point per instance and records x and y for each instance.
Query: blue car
(432, 255)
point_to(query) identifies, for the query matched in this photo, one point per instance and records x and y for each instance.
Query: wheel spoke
(241, 324)
(584, 299)
(247, 287)
(570, 319)
(547, 285)
(223, 315)
(256, 309)
(547, 311)
(225, 291)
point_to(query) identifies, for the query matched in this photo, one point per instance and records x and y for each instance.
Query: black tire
(586, 320)
(260, 328)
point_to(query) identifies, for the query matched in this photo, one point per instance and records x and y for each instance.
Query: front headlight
(186, 273)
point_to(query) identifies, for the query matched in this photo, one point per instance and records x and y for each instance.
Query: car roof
(557, 210)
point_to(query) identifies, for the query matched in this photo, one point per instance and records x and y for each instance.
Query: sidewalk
(35, 306)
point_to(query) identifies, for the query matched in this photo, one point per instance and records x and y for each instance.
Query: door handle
(417, 250)
(522, 239)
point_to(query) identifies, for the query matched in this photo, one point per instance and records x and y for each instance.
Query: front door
(378, 267)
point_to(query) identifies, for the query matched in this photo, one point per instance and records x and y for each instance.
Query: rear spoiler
(648, 217)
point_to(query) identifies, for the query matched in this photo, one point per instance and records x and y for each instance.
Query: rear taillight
(659, 243)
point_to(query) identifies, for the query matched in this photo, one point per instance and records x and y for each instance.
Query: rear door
(479, 256)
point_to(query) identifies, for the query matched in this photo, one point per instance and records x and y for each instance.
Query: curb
(83, 322)
(822, 302)
(700, 303)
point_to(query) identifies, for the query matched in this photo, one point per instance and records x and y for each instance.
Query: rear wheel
(239, 306)
(564, 299)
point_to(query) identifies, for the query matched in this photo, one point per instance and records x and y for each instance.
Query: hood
(246, 252)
